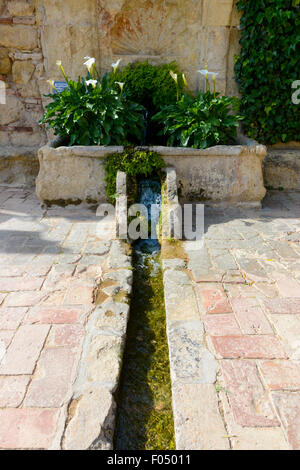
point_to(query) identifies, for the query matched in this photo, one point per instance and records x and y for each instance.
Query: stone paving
(246, 278)
(51, 264)
(233, 314)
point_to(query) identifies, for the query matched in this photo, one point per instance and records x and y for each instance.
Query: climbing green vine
(134, 162)
(266, 68)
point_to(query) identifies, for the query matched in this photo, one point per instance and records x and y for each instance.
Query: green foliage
(134, 163)
(268, 65)
(149, 85)
(145, 416)
(99, 115)
(201, 121)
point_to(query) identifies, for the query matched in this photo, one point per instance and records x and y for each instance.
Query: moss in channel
(145, 416)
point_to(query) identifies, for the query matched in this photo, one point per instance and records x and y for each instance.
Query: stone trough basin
(221, 175)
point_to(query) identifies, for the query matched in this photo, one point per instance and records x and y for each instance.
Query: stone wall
(21, 67)
(191, 32)
(35, 33)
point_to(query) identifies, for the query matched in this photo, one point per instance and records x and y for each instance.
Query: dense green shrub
(268, 65)
(134, 162)
(93, 112)
(201, 121)
(149, 85)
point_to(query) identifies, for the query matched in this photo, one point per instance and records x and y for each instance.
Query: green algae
(145, 416)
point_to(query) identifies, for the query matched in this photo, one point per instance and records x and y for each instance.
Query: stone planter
(221, 175)
(282, 166)
(72, 174)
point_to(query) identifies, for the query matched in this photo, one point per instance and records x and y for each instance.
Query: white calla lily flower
(58, 62)
(91, 82)
(51, 83)
(206, 73)
(90, 61)
(121, 85)
(116, 65)
(174, 76)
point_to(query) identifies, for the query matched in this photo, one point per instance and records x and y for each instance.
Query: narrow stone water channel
(145, 416)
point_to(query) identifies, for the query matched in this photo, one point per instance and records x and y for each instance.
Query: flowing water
(145, 417)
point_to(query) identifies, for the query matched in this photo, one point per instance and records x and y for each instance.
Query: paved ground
(50, 264)
(248, 287)
(247, 279)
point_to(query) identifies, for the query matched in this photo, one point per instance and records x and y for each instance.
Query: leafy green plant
(201, 121)
(267, 66)
(149, 85)
(134, 162)
(93, 112)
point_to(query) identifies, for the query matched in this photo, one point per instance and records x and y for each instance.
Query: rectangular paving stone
(287, 286)
(213, 299)
(53, 298)
(252, 269)
(6, 337)
(224, 261)
(27, 428)
(23, 352)
(284, 249)
(11, 270)
(247, 396)
(12, 390)
(281, 375)
(66, 335)
(24, 299)
(79, 294)
(197, 420)
(39, 267)
(190, 360)
(52, 315)
(11, 284)
(251, 347)
(288, 407)
(289, 306)
(288, 329)
(250, 316)
(11, 317)
(52, 380)
(221, 324)
(59, 277)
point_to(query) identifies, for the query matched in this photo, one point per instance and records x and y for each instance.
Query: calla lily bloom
(206, 73)
(59, 64)
(121, 85)
(174, 76)
(90, 61)
(51, 83)
(184, 79)
(91, 82)
(116, 65)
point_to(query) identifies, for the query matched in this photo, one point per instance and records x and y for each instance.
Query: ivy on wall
(268, 65)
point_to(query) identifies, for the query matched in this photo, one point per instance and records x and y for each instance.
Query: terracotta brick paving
(46, 294)
(253, 327)
(247, 279)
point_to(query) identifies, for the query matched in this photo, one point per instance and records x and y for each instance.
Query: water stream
(145, 417)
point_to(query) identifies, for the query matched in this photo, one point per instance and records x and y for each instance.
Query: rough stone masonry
(34, 34)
